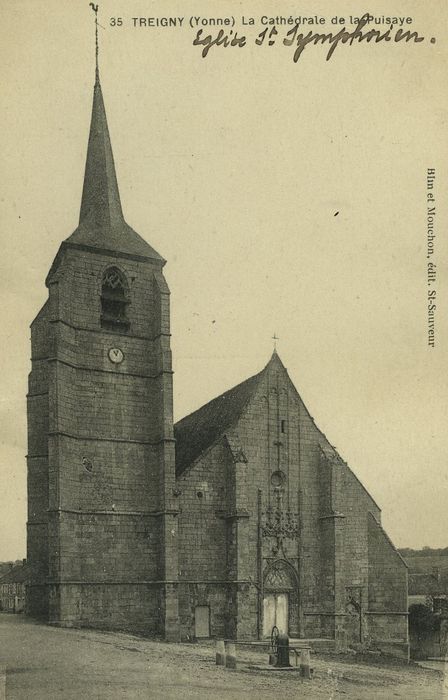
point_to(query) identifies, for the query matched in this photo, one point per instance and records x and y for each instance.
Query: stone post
(230, 652)
(305, 660)
(220, 653)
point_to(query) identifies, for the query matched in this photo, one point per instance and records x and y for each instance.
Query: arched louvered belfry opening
(114, 300)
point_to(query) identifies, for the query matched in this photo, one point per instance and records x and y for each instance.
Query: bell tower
(102, 525)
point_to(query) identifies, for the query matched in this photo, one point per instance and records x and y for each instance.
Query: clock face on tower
(116, 355)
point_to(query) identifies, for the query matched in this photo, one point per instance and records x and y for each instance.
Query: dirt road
(38, 662)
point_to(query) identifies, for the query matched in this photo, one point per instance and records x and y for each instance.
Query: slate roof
(200, 430)
(119, 238)
(428, 575)
(18, 574)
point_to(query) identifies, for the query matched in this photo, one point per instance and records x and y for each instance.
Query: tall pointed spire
(101, 222)
(100, 205)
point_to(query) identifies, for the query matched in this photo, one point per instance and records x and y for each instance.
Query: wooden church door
(202, 621)
(275, 612)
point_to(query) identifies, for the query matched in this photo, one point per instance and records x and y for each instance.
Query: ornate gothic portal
(280, 599)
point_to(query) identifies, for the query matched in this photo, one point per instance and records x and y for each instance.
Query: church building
(240, 517)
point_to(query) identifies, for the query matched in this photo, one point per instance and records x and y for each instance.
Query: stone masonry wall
(202, 527)
(328, 551)
(109, 439)
(37, 463)
(387, 619)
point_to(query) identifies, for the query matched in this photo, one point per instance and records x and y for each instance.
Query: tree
(422, 621)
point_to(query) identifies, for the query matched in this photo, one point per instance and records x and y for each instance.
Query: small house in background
(12, 588)
(428, 602)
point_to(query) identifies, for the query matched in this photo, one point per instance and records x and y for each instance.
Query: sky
(287, 198)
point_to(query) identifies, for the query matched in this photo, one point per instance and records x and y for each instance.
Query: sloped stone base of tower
(36, 601)
(143, 608)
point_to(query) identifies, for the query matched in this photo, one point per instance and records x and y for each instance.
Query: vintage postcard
(224, 336)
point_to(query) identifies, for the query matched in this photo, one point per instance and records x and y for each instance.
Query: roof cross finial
(97, 72)
(275, 338)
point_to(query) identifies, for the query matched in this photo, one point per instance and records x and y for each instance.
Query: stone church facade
(239, 517)
(275, 528)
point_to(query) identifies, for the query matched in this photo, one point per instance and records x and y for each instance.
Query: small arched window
(114, 300)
